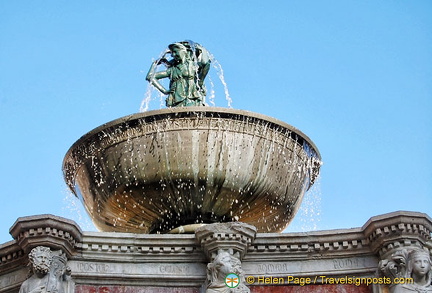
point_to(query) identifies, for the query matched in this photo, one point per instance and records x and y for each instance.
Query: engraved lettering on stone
(348, 263)
(171, 269)
(273, 268)
(8, 280)
(93, 267)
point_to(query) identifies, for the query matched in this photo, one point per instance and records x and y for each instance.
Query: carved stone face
(41, 262)
(228, 265)
(420, 265)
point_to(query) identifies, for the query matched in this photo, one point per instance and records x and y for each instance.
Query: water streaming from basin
(152, 95)
(152, 172)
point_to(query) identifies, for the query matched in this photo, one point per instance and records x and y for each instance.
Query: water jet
(233, 179)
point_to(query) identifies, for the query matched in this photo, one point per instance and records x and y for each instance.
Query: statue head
(223, 264)
(40, 258)
(178, 51)
(419, 265)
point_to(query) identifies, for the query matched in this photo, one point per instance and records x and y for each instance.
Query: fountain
(153, 172)
(187, 165)
(192, 199)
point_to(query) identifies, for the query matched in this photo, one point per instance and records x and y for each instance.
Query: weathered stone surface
(49, 272)
(255, 289)
(390, 232)
(152, 172)
(145, 262)
(408, 264)
(46, 230)
(225, 244)
(234, 236)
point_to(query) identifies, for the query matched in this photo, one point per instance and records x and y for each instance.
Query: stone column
(225, 245)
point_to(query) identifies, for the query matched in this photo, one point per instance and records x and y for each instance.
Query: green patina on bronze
(186, 72)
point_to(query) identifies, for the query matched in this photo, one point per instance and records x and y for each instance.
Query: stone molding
(389, 232)
(99, 258)
(140, 247)
(225, 245)
(325, 244)
(10, 253)
(234, 236)
(46, 230)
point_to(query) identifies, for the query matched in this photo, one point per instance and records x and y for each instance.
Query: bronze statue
(186, 72)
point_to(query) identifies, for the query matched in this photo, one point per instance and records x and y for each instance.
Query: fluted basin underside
(154, 171)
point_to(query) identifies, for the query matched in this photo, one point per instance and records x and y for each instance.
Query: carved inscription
(172, 269)
(273, 268)
(256, 128)
(10, 279)
(93, 267)
(344, 264)
(348, 263)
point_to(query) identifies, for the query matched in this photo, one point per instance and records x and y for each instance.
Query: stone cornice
(377, 236)
(11, 254)
(141, 259)
(140, 247)
(398, 229)
(235, 236)
(46, 230)
(318, 244)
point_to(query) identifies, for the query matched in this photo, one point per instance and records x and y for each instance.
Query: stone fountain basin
(152, 172)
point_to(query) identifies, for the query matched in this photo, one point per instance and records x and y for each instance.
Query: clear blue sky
(355, 76)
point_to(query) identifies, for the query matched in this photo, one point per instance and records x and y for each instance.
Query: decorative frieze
(103, 260)
(10, 252)
(322, 244)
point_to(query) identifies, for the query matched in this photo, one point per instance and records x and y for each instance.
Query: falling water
(74, 210)
(146, 101)
(211, 96)
(220, 74)
(276, 157)
(308, 216)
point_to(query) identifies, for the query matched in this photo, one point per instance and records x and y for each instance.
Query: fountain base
(344, 260)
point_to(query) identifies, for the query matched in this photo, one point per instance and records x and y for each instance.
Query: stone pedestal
(317, 261)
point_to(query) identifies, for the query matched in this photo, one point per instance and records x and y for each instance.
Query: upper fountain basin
(154, 171)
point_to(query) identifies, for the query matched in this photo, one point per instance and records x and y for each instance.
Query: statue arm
(203, 73)
(153, 77)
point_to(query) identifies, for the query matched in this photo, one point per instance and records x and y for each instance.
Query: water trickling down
(152, 94)
(155, 171)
